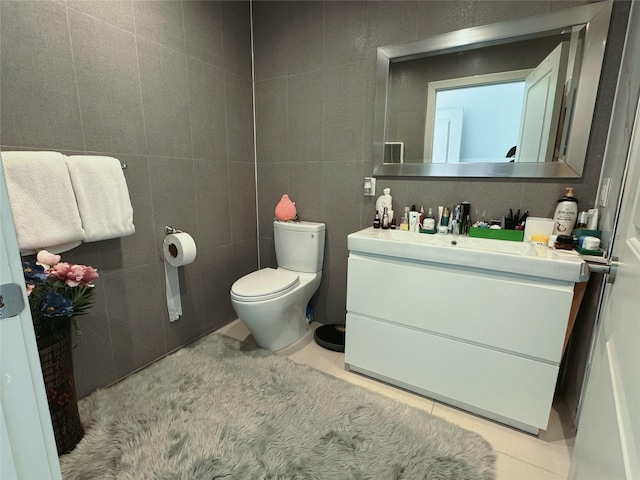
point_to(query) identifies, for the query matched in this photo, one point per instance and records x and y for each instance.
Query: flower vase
(56, 361)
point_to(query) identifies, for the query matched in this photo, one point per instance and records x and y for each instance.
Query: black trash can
(331, 336)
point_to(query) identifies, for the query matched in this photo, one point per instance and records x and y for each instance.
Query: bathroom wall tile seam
(324, 98)
(139, 73)
(108, 325)
(101, 152)
(362, 205)
(186, 64)
(227, 144)
(193, 169)
(75, 79)
(183, 51)
(70, 7)
(229, 117)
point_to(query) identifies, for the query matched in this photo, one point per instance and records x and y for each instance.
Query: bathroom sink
(487, 254)
(461, 241)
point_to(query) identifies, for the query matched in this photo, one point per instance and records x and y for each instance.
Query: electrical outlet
(604, 192)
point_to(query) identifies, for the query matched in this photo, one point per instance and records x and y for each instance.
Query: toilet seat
(264, 284)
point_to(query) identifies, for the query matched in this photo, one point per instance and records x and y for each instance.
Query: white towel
(42, 201)
(102, 196)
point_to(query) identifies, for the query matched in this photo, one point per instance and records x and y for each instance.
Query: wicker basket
(56, 361)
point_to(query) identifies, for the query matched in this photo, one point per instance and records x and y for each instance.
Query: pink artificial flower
(83, 275)
(47, 259)
(30, 287)
(59, 271)
(74, 275)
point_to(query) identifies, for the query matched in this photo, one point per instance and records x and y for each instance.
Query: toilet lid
(267, 282)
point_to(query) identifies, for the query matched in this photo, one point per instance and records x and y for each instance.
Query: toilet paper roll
(179, 250)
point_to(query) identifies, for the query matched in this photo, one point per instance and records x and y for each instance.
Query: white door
(447, 136)
(608, 440)
(27, 444)
(543, 93)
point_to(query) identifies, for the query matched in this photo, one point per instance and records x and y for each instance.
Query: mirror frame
(595, 18)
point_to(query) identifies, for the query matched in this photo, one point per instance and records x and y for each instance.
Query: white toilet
(272, 303)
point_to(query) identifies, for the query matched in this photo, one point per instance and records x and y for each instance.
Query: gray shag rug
(220, 409)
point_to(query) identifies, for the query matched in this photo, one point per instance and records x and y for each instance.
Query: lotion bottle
(566, 214)
(413, 219)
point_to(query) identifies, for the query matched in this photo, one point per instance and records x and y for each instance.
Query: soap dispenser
(565, 214)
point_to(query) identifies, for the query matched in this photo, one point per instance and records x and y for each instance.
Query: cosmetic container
(429, 222)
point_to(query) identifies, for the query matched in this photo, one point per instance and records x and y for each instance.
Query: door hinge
(11, 300)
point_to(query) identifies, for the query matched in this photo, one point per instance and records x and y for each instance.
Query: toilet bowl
(275, 310)
(272, 302)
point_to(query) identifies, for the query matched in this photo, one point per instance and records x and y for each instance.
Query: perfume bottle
(404, 223)
(376, 220)
(385, 219)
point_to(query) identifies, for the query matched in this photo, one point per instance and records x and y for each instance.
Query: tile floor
(520, 455)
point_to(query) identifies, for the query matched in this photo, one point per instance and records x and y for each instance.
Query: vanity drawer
(510, 313)
(489, 382)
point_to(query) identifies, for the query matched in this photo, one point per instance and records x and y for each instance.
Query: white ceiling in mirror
(556, 147)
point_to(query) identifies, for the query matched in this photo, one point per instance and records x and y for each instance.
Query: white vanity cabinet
(483, 340)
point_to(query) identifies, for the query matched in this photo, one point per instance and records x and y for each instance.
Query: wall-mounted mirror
(512, 99)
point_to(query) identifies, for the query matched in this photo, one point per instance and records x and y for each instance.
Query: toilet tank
(299, 245)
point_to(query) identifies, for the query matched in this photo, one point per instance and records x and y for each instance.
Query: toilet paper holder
(170, 230)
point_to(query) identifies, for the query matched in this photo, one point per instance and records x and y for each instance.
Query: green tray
(589, 233)
(430, 232)
(594, 253)
(494, 234)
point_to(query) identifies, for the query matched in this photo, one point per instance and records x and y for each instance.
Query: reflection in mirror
(393, 152)
(473, 119)
(512, 99)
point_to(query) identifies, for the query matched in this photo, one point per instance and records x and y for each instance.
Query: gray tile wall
(165, 86)
(315, 77)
